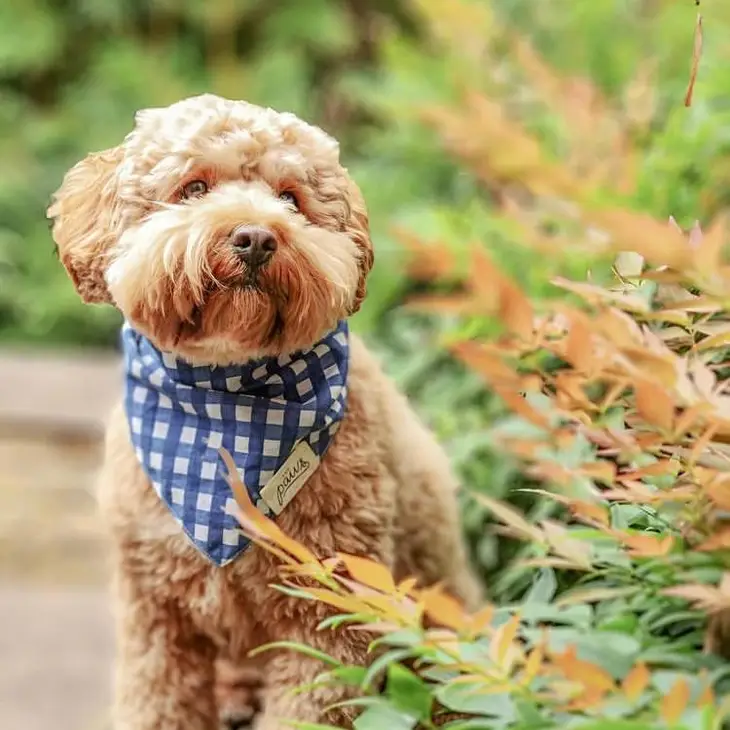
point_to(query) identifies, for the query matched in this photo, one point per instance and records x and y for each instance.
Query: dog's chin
(246, 319)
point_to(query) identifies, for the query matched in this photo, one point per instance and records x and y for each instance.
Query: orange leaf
(485, 362)
(590, 676)
(635, 682)
(565, 546)
(533, 663)
(503, 640)
(597, 295)
(344, 603)
(703, 442)
(707, 696)
(389, 607)
(687, 419)
(602, 471)
(516, 402)
(718, 490)
(587, 510)
(659, 368)
(406, 586)
(516, 311)
(720, 540)
(579, 346)
(663, 467)
(512, 518)
(482, 619)
(641, 233)
(654, 405)
(720, 340)
(428, 260)
(588, 700)
(443, 609)
(674, 703)
(618, 327)
(702, 596)
(369, 573)
(646, 545)
(485, 281)
(498, 293)
(262, 524)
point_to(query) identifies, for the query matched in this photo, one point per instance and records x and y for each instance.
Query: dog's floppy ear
(84, 213)
(358, 229)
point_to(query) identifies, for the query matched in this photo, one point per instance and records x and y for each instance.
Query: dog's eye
(194, 189)
(289, 198)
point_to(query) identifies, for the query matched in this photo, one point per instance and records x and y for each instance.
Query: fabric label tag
(290, 478)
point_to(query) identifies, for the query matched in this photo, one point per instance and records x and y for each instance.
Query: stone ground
(55, 629)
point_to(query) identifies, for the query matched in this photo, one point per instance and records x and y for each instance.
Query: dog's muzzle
(254, 245)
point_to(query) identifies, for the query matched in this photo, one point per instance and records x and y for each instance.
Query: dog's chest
(220, 605)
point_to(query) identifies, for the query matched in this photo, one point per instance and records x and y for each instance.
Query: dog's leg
(165, 668)
(431, 546)
(296, 620)
(429, 541)
(238, 692)
(288, 671)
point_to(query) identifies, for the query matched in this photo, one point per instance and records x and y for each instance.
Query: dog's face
(221, 230)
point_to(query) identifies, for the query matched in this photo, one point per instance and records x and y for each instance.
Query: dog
(236, 246)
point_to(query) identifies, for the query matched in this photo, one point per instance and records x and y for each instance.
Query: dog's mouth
(189, 326)
(250, 281)
(193, 326)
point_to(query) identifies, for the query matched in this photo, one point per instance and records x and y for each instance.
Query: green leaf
(333, 622)
(300, 649)
(404, 637)
(381, 663)
(408, 692)
(351, 675)
(473, 724)
(380, 717)
(465, 697)
(578, 615)
(544, 587)
(675, 617)
(614, 725)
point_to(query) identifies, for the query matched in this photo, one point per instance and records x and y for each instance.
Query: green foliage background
(72, 74)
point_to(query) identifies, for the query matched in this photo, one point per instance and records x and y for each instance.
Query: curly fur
(384, 489)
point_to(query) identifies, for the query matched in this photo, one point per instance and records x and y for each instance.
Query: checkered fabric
(181, 415)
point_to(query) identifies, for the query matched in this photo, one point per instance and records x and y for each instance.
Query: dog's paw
(238, 695)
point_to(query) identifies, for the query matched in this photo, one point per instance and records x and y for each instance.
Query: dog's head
(221, 230)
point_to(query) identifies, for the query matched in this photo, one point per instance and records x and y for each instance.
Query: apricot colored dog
(236, 246)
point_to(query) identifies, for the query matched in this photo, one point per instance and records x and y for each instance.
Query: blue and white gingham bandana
(180, 415)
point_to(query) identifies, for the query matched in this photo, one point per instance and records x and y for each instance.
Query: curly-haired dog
(236, 246)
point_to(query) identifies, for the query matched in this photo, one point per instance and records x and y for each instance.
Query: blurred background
(442, 107)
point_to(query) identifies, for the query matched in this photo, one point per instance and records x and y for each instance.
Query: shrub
(488, 137)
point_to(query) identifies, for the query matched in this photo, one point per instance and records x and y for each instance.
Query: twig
(696, 55)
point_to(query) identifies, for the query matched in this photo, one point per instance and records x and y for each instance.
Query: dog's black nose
(237, 722)
(254, 245)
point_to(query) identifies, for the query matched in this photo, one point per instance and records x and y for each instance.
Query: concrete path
(55, 654)
(55, 632)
